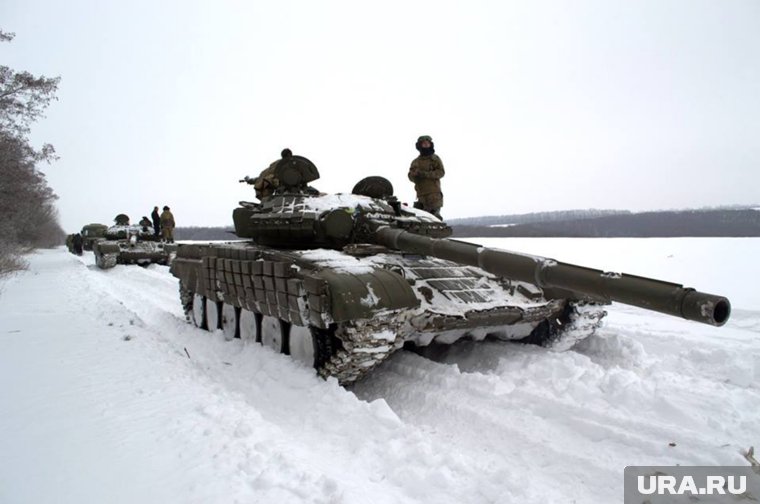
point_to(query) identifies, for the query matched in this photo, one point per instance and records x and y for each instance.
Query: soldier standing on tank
(167, 225)
(267, 182)
(426, 172)
(156, 222)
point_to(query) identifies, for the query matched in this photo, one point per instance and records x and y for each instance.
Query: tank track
(347, 352)
(186, 298)
(578, 321)
(361, 350)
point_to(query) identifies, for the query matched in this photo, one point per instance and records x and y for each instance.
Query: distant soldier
(267, 182)
(76, 244)
(156, 222)
(426, 172)
(145, 224)
(167, 225)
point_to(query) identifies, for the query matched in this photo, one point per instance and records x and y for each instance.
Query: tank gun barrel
(664, 297)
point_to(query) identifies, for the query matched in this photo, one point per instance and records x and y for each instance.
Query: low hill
(718, 222)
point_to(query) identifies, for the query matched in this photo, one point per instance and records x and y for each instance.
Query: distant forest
(611, 223)
(722, 222)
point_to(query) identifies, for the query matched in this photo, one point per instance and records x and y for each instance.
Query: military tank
(130, 244)
(92, 233)
(341, 281)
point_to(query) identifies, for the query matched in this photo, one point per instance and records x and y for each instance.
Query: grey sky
(533, 105)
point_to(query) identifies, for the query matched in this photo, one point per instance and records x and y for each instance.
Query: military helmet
(424, 138)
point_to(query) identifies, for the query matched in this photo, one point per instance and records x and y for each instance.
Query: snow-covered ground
(107, 395)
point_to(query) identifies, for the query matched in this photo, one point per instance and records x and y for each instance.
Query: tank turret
(341, 281)
(92, 233)
(299, 216)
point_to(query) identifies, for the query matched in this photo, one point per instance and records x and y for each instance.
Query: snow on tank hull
(344, 312)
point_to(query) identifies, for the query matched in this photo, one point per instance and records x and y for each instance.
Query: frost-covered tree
(28, 218)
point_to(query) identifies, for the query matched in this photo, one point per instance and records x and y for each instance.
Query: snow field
(111, 397)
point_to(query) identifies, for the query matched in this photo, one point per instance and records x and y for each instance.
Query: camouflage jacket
(426, 173)
(266, 182)
(167, 219)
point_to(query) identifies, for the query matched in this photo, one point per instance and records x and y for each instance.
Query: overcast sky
(533, 105)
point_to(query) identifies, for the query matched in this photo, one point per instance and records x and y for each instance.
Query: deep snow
(109, 396)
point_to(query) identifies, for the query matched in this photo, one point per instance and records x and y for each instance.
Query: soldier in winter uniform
(426, 172)
(267, 182)
(167, 225)
(76, 243)
(145, 224)
(156, 222)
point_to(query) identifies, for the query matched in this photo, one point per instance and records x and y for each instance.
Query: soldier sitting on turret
(145, 223)
(266, 183)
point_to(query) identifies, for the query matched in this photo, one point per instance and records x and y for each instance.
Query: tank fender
(188, 271)
(364, 295)
(107, 248)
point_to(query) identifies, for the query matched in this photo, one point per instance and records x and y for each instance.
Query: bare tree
(29, 217)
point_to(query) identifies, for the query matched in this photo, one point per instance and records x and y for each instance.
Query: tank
(342, 281)
(124, 243)
(92, 233)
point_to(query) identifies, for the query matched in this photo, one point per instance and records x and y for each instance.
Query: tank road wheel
(213, 315)
(198, 313)
(230, 321)
(274, 334)
(311, 345)
(302, 345)
(250, 325)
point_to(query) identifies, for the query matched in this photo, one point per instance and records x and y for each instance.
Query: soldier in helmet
(167, 225)
(267, 182)
(426, 172)
(145, 224)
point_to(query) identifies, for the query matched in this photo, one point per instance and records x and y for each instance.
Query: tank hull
(110, 253)
(356, 307)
